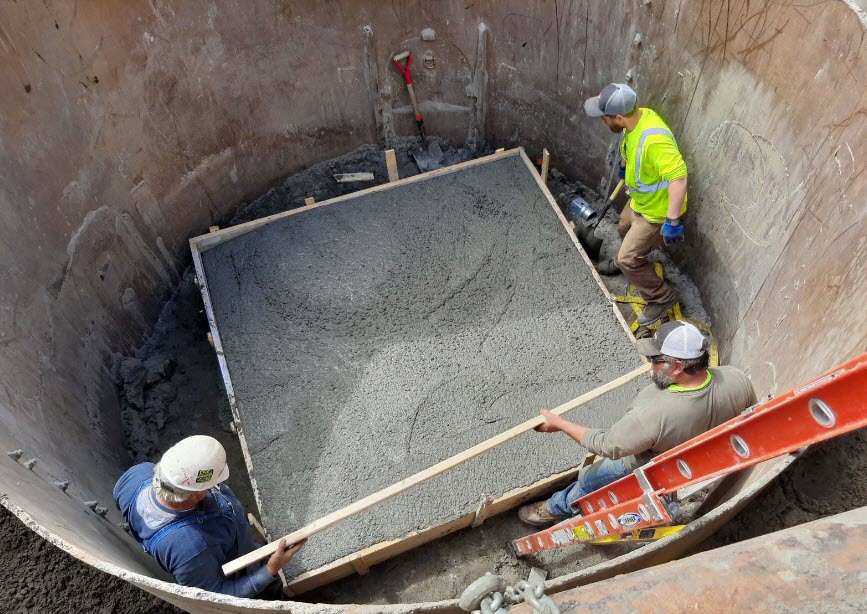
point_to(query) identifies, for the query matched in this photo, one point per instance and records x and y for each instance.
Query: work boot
(608, 267)
(537, 514)
(655, 311)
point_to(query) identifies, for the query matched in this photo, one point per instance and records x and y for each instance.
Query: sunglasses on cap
(661, 358)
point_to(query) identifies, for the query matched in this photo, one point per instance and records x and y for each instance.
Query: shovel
(429, 156)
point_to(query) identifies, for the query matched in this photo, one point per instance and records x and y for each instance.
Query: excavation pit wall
(371, 338)
(126, 129)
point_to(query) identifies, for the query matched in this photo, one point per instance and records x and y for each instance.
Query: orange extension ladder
(830, 405)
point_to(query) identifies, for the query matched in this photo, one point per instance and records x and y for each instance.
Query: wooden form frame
(361, 561)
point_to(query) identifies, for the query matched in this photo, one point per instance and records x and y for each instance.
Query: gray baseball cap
(677, 339)
(614, 99)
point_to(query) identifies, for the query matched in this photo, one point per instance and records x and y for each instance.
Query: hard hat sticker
(629, 520)
(205, 475)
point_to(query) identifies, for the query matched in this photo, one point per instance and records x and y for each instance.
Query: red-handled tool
(407, 75)
(429, 156)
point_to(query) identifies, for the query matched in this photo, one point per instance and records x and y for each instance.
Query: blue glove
(621, 172)
(672, 234)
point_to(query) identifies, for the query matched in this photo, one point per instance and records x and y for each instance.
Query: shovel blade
(429, 157)
(586, 234)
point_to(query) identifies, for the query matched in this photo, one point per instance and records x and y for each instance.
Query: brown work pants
(640, 237)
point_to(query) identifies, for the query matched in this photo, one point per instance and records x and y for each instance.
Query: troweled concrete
(369, 339)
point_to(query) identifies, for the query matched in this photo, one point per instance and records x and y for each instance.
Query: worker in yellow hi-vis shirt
(655, 176)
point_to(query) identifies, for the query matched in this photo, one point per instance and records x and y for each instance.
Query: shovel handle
(608, 204)
(414, 102)
(405, 68)
(616, 190)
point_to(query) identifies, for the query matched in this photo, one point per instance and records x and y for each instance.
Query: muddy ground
(172, 387)
(37, 577)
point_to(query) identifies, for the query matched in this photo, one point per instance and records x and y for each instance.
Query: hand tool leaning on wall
(429, 156)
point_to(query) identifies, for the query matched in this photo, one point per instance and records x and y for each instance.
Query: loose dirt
(38, 577)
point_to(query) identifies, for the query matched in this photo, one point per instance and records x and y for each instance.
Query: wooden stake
(391, 164)
(309, 201)
(395, 489)
(589, 459)
(258, 529)
(482, 511)
(360, 566)
(546, 163)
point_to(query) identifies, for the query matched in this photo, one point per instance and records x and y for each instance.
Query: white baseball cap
(614, 99)
(677, 339)
(194, 464)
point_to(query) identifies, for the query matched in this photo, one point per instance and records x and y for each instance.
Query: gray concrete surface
(369, 339)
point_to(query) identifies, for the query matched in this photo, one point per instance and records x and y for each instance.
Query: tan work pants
(640, 237)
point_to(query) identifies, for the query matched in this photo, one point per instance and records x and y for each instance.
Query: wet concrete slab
(369, 339)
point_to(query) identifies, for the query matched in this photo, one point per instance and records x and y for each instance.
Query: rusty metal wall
(126, 127)
(768, 102)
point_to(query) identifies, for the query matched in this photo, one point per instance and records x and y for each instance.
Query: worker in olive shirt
(181, 513)
(655, 176)
(685, 400)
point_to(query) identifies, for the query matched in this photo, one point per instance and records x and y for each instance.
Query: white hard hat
(194, 464)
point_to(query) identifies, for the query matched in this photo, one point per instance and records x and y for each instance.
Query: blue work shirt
(196, 543)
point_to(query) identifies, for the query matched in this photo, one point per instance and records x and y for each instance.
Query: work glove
(672, 234)
(621, 172)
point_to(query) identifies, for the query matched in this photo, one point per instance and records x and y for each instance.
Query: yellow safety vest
(652, 162)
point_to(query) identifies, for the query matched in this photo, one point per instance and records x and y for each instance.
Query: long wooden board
(207, 241)
(422, 476)
(383, 551)
(224, 369)
(577, 244)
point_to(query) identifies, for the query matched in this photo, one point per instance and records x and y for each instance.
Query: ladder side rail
(818, 415)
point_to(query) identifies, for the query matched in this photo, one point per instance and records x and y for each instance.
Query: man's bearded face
(661, 375)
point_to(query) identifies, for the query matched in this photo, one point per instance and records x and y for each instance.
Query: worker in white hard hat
(184, 515)
(686, 399)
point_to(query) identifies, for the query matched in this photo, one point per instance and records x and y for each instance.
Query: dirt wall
(127, 127)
